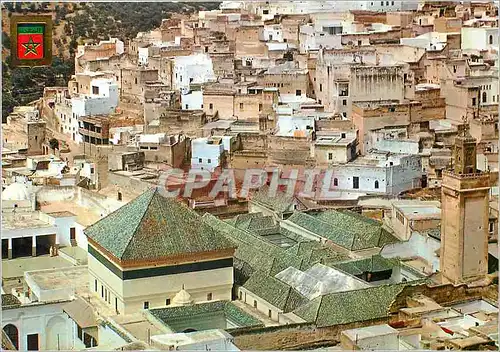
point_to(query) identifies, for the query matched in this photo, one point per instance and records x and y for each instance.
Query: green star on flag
(30, 47)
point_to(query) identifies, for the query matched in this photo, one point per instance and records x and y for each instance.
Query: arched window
(485, 97)
(376, 184)
(13, 334)
(335, 182)
(490, 40)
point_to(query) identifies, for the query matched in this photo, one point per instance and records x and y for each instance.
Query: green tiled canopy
(152, 226)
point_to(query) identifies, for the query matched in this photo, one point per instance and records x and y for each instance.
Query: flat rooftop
(52, 279)
(29, 221)
(84, 216)
(370, 331)
(139, 326)
(181, 339)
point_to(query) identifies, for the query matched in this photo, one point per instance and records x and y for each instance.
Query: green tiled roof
(274, 291)
(231, 312)
(10, 301)
(375, 263)
(350, 306)
(152, 226)
(347, 229)
(279, 202)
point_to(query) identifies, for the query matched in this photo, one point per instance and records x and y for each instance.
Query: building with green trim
(144, 253)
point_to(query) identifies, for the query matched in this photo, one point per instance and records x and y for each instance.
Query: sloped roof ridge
(153, 191)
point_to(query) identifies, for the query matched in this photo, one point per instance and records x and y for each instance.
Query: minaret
(464, 214)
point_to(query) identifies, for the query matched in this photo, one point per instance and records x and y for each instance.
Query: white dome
(182, 298)
(16, 191)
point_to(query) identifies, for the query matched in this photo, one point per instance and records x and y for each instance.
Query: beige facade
(465, 216)
(129, 296)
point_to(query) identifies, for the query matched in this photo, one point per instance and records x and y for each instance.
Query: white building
(197, 68)
(27, 232)
(103, 100)
(375, 173)
(271, 33)
(311, 39)
(482, 38)
(432, 41)
(207, 153)
(192, 100)
(267, 9)
(377, 337)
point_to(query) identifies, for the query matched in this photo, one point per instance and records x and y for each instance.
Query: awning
(81, 312)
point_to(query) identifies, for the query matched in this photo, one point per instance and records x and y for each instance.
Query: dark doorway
(120, 196)
(190, 330)
(43, 244)
(13, 334)
(355, 182)
(21, 247)
(424, 181)
(5, 248)
(32, 340)
(72, 234)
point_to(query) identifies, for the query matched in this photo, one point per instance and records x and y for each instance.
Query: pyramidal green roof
(152, 226)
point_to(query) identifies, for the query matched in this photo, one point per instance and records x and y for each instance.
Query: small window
(265, 12)
(342, 135)
(79, 332)
(209, 296)
(211, 106)
(490, 40)
(187, 106)
(473, 101)
(381, 3)
(376, 184)
(454, 68)
(320, 87)
(209, 161)
(167, 302)
(146, 305)
(255, 304)
(344, 114)
(392, 3)
(485, 97)
(330, 156)
(355, 182)
(199, 160)
(91, 170)
(136, 80)
(298, 92)
(260, 107)
(269, 313)
(241, 106)
(95, 285)
(335, 181)
(344, 102)
(102, 291)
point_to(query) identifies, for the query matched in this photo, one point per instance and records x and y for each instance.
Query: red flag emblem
(30, 38)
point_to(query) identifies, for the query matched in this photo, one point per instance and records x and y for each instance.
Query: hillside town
(270, 175)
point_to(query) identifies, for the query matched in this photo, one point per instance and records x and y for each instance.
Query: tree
(54, 143)
(5, 40)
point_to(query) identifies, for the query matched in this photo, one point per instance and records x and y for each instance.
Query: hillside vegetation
(75, 23)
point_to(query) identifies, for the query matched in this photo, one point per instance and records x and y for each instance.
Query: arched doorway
(13, 334)
(57, 334)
